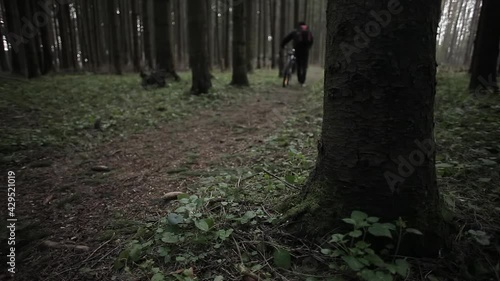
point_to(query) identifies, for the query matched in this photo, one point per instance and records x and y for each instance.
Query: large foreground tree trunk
(198, 52)
(163, 22)
(486, 48)
(376, 152)
(240, 77)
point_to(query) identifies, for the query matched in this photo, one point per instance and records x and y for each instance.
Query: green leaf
(174, 218)
(158, 277)
(402, 267)
(282, 258)
(219, 278)
(362, 245)
(290, 179)
(169, 237)
(484, 179)
(358, 216)
(135, 252)
(349, 221)
(326, 251)
(372, 219)
(488, 162)
(379, 230)
(414, 231)
(370, 275)
(375, 260)
(163, 252)
(353, 263)
(202, 225)
(337, 238)
(355, 233)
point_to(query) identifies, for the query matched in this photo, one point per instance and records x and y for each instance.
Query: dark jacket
(298, 45)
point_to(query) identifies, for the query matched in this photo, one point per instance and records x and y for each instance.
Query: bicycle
(289, 67)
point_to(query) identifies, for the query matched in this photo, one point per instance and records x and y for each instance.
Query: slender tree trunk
(283, 14)
(135, 37)
(47, 39)
(486, 49)
(296, 9)
(163, 23)
(227, 39)
(265, 18)
(377, 106)
(260, 16)
(31, 38)
(455, 34)
(274, 16)
(198, 56)
(114, 21)
(4, 63)
(250, 33)
(17, 46)
(239, 47)
(148, 52)
(209, 31)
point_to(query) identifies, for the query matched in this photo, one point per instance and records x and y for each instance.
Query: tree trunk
(4, 63)
(239, 47)
(273, 17)
(136, 57)
(472, 32)
(296, 8)
(47, 39)
(283, 15)
(259, 33)
(250, 30)
(162, 19)
(146, 21)
(114, 24)
(486, 49)
(197, 20)
(378, 116)
(31, 38)
(227, 41)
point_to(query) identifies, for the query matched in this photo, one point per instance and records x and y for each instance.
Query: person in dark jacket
(302, 42)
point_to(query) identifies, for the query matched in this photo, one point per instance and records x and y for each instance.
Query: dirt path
(76, 203)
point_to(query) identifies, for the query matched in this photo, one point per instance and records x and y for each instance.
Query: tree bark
(273, 17)
(197, 20)
(282, 35)
(31, 38)
(259, 33)
(114, 43)
(136, 57)
(250, 32)
(162, 19)
(146, 21)
(227, 39)
(239, 47)
(486, 49)
(378, 103)
(4, 63)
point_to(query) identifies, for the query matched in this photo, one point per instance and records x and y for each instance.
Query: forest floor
(97, 159)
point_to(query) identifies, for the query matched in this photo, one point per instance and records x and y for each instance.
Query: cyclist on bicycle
(302, 42)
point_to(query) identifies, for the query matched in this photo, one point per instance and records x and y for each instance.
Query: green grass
(61, 110)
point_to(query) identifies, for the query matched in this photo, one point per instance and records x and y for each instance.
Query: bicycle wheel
(287, 75)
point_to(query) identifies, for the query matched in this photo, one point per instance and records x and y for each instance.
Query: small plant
(356, 253)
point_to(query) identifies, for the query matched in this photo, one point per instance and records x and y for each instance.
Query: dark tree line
(118, 36)
(469, 38)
